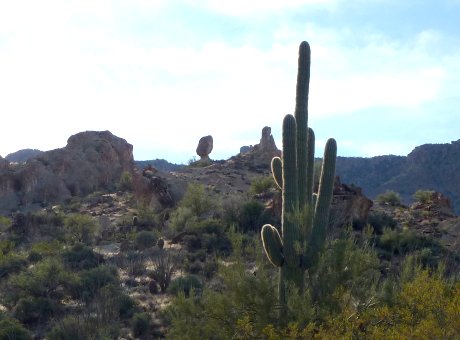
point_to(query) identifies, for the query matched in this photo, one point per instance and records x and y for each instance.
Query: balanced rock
(204, 147)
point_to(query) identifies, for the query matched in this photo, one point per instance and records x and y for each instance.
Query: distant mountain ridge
(23, 155)
(427, 167)
(159, 164)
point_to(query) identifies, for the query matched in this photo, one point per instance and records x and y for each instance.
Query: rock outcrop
(260, 155)
(204, 147)
(349, 206)
(91, 161)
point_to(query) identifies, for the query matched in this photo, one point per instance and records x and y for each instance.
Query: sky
(385, 75)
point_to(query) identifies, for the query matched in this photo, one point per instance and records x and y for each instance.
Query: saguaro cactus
(305, 215)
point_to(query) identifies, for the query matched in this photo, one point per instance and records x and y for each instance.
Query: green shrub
(13, 329)
(389, 197)
(10, 264)
(197, 200)
(140, 324)
(380, 220)
(47, 278)
(126, 306)
(261, 185)
(76, 327)
(145, 239)
(5, 223)
(126, 181)
(94, 279)
(182, 219)
(251, 216)
(423, 196)
(184, 285)
(69, 328)
(35, 309)
(82, 228)
(80, 257)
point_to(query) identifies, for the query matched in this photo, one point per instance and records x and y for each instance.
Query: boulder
(204, 147)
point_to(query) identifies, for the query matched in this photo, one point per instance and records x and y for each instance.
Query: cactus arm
(324, 199)
(277, 171)
(273, 245)
(310, 165)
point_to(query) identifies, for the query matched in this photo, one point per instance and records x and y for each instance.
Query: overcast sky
(385, 75)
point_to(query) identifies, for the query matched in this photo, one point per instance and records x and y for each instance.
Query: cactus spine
(304, 215)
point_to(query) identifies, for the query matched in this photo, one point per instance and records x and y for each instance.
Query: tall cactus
(305, 215)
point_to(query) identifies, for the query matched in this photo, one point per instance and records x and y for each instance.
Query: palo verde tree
(305, 215)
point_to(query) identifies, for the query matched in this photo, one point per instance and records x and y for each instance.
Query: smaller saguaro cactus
(305, 215)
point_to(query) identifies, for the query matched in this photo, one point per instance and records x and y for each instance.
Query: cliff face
(91, 161)
(428, 167)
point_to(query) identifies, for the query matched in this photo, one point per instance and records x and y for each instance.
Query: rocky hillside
(428, 167)
(91, 161)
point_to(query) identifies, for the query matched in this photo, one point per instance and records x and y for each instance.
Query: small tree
(389, 197)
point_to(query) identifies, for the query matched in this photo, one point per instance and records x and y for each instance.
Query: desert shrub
(47, 278)
(93, 280)
(184, 285)
(192, 243)
(145, 239)
(250, 218)
(164, 265)
(182, 218)
(76, 327)
(261, 185)
(126, 306)
(10, 264)
(213, 237)
(197, 200)
(80, 257)
(133, 262)
(214, 314)
(426, 307)
(126, 181)
(12, 329)
(389, 197)
(402, 241)
(380, 220)
(69, 328)
(146, 218)
(5, 223)
(140, 324)
(423, 196)
(349, 266)
(35, 309)
(82, 228)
